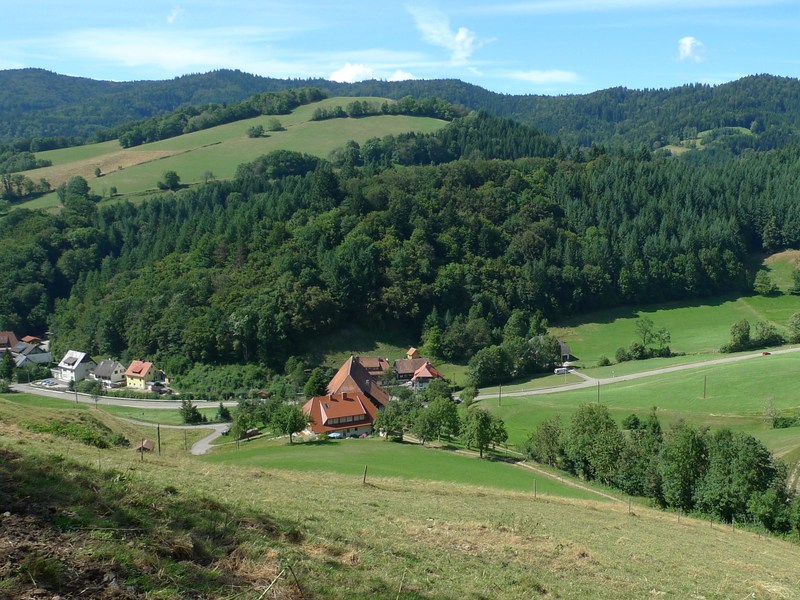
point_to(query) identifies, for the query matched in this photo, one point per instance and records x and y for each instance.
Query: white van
(561, 370)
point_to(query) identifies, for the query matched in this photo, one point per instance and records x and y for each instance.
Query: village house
(375, 365)
(75, 366)
(7, 340)
(27, 354)
(110, 373)
(140, 375)
(404, 368)
(353, 378)
(424, 375)
(348, 413)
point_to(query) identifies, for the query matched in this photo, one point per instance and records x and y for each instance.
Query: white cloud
(176, 11)
(401, 76)
(435, 28)
(545, 77)
(351, 73)
(690, 48)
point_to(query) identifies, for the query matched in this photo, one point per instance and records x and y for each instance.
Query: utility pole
(500, 396)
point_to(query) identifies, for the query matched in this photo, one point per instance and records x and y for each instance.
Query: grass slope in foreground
(176, 527)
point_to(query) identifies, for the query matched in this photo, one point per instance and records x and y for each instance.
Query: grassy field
(346, 460)
(176, 526)
(696, 328)
(218, 150)
(736, 396)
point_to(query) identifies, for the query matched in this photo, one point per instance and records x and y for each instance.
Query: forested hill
(36, 103)
(255, 269)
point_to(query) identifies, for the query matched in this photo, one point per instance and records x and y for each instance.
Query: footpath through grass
(348, 458)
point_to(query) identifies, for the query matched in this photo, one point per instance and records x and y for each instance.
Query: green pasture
(154, 415)
(736, 396)
(218, 150)
(696, 328)
(347, 459)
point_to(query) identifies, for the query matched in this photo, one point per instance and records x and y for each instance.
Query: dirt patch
(42, 563)
(107, 163)
(790, 256)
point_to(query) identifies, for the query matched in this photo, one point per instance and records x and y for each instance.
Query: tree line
(728, 475)
(187, 119)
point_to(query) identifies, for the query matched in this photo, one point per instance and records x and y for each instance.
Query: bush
(603, 361)
(622, 355)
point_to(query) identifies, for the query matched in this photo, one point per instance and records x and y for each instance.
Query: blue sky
(509, 46)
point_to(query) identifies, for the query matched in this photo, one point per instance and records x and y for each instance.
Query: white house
(75, 366)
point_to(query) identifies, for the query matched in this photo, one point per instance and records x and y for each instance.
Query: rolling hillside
(35, 103)
(219, 150)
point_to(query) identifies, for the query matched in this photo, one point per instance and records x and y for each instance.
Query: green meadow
(343, 461)
(218, 150)
(736, 396)
(696, 328)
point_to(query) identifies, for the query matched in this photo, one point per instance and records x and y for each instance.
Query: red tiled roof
(324, 410)
(31, 339)
(427, 371)
(139, 368)
(8, 339)
(353, 378)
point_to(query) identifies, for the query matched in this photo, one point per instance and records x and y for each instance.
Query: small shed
(566, 352)
(145, 446)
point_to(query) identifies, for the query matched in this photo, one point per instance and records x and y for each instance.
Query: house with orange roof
(352, 378)
(424, 375)
(404, 368)
(140, 374)
(347, 413)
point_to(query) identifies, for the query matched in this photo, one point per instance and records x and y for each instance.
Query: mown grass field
(177, 526)
(696, 328)
(736, 396)
(344, 460)
(219, 150)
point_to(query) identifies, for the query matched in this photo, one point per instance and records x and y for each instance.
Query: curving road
(200, 447)
(591, 382)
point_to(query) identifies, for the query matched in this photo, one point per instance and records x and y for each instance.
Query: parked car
(335, 435)
(353, 436)
(561, 371)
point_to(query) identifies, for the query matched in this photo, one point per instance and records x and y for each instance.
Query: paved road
(202, 446)
(591, 382)
(108, 401)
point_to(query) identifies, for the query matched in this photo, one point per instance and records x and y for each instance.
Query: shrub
(603, 361)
